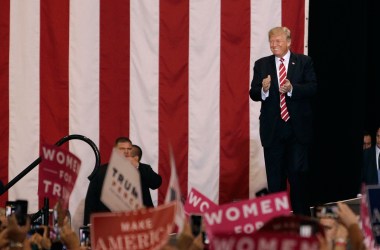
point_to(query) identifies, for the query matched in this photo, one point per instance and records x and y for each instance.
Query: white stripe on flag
(204, 92)
(84, 94)
(24, 103)
(306, 32)
(144, 81)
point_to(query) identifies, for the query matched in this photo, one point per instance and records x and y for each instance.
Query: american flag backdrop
(163, 72)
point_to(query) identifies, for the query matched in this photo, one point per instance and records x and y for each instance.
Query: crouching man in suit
(149, 179)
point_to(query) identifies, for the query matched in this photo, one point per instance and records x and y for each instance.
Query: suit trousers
(287, 160)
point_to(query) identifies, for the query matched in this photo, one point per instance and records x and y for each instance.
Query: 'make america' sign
(147, 229)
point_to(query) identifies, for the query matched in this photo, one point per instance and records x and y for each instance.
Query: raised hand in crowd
(186, 240)
(346, 216)
(351, 222)
(69, 238)
(335, 234)
(17, 233)
(4, 238)
(324, 244)
(345, 231)
(41, 241)
(330, 227)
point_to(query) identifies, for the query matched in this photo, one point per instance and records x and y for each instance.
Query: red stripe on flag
(293, 17)
(234, 106)
(173, 91)
(4, 93)
(54, 73)
(114, 73)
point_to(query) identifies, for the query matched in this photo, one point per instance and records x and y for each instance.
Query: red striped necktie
(284, 110)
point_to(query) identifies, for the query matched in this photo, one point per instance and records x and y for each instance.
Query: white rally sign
(121, 189)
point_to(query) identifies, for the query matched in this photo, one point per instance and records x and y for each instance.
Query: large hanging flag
(156, 71)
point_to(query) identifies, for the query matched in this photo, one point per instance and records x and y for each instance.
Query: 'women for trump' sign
(58, 172)
(246, 216)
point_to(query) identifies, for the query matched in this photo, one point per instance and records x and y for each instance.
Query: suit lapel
(291, 66)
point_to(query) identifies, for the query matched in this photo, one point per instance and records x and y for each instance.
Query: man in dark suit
(371, 162)
(285, 84)
(149, 179)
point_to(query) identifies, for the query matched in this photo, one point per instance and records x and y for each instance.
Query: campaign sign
(197, 203)
(173, 193)
(139, 229)
(373, 194)
(58, 172)
(121, 189)
(264, 241)
(245, 216)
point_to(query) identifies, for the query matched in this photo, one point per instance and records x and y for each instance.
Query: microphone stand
(45, 210)
(4, 188)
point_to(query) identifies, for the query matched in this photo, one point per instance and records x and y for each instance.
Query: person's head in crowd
(367, 140)
(279, 40)
(378, 137)
(136, 152)
(135, 155)
(124, 145)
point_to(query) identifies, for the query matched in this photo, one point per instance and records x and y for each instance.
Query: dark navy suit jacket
(303, 79)
(369, 170)
(149, 180)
